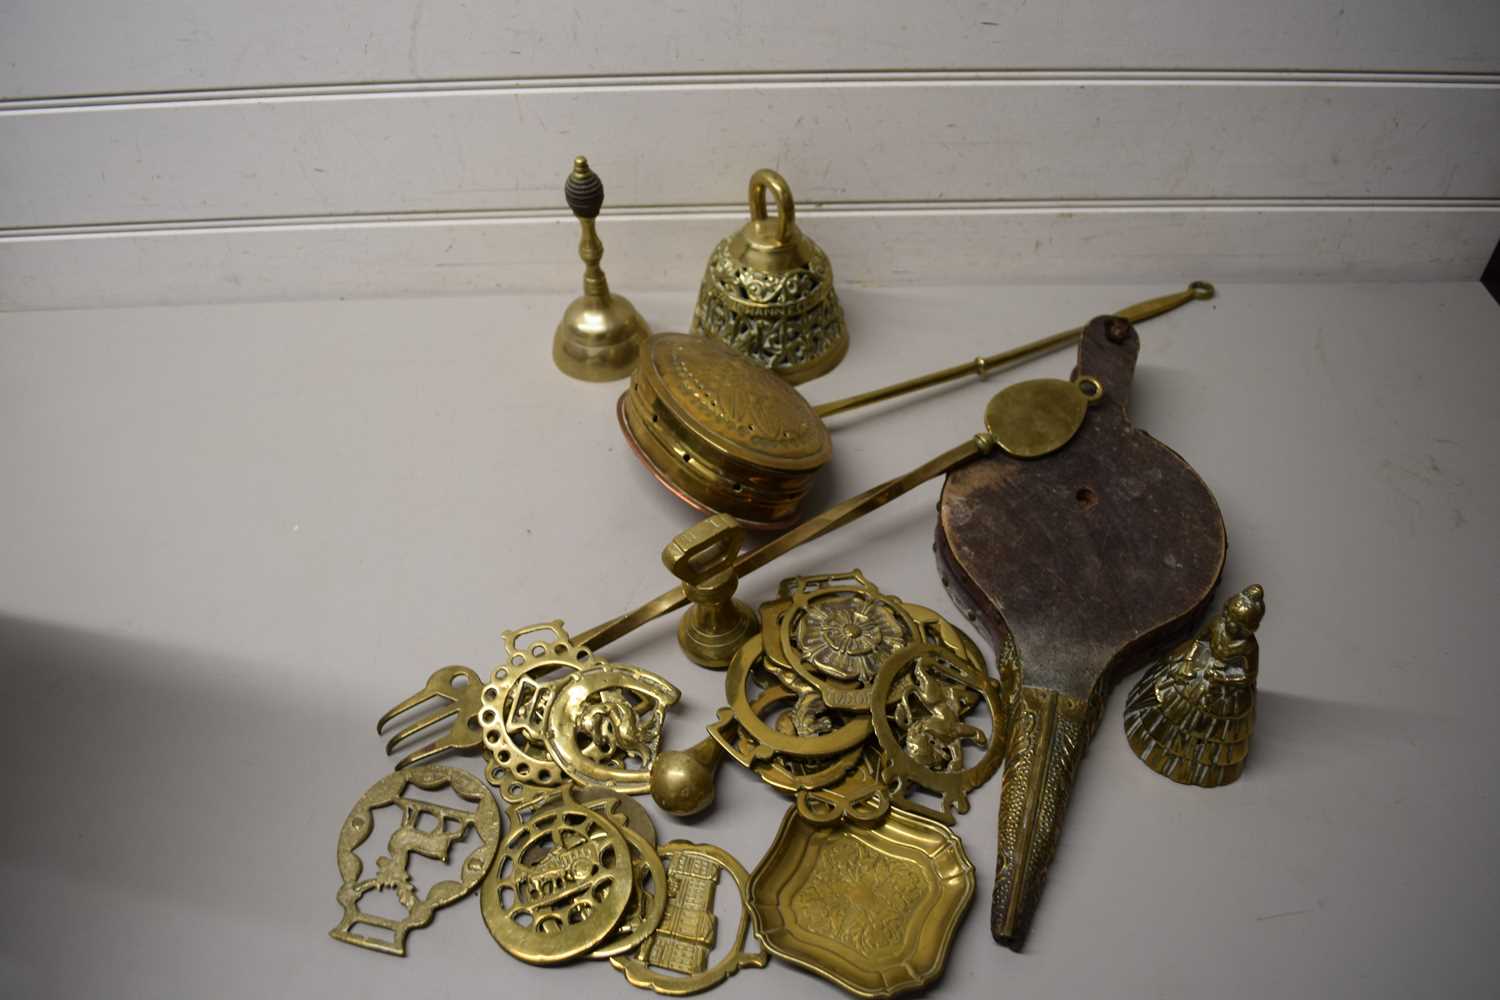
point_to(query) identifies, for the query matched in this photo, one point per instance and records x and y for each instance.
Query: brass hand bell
(600, 335)
(768, 291)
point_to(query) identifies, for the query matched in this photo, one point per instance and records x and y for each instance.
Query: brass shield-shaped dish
(872, 908)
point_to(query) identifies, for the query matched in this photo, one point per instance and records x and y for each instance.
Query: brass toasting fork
(462, 707)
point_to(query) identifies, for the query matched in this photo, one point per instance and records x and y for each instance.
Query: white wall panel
(167, 150)
(51, 47)
(695, 145)
(884, 246)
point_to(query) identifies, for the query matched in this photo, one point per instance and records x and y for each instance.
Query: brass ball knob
(682, 781)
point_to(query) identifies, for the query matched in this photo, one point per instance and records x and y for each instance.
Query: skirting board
(884, 245)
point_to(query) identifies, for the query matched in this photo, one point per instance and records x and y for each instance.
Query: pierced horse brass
(674, 960)
(605, 718)
(923, 695)
(559, 886)
(427, 829)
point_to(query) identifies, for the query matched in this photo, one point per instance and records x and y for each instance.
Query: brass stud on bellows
(600, 335)
(768, 291)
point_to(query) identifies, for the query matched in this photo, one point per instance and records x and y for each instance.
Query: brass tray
(873, 909)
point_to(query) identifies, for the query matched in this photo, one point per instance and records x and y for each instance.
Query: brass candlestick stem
(600, 335)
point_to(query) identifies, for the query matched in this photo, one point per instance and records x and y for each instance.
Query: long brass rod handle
(834, 517)
(1138, 313)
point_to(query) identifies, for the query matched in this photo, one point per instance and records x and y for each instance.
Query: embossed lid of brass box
(874, 909)
(721, 433)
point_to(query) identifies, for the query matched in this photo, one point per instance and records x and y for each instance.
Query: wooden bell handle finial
(584, 190)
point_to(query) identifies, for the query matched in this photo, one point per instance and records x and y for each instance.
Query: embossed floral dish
(872, 908)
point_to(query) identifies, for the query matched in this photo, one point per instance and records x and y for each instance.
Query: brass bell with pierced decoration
(768, 291)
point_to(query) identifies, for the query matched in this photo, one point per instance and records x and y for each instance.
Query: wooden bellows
(1079, 566)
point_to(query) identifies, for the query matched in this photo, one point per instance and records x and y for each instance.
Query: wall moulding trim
(733, 215)
(443, 254)
(736, 80)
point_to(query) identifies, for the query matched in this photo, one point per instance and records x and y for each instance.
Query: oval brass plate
(1035, 418)
(874, 909)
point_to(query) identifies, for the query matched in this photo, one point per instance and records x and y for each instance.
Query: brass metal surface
(523, 801)
(604, 726)
(922, 698)
(818, 733)
(428, 829)
(984, 366)
(703, 557)
(1039, 416)
(1191, 715)
(515, 705)
(644, 912)
(600, 335)
(835, 630)
(725, 436)
(871, 908)
(720, 433)
(788, 772)
(1049, 732)
(683, 781)
(674, 960)
(768, 291)
(559, 885)
(813, 528)
(460, 688)
(862, 796)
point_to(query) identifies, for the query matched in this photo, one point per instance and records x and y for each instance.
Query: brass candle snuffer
(768, 291)
(600, 335)
(725, 435)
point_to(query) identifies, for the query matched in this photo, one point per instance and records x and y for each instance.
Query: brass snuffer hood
(768, 291)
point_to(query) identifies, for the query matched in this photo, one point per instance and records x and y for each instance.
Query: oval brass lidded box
(728, 438)
(768, 291)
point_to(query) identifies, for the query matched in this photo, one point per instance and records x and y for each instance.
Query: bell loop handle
(786, 209)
